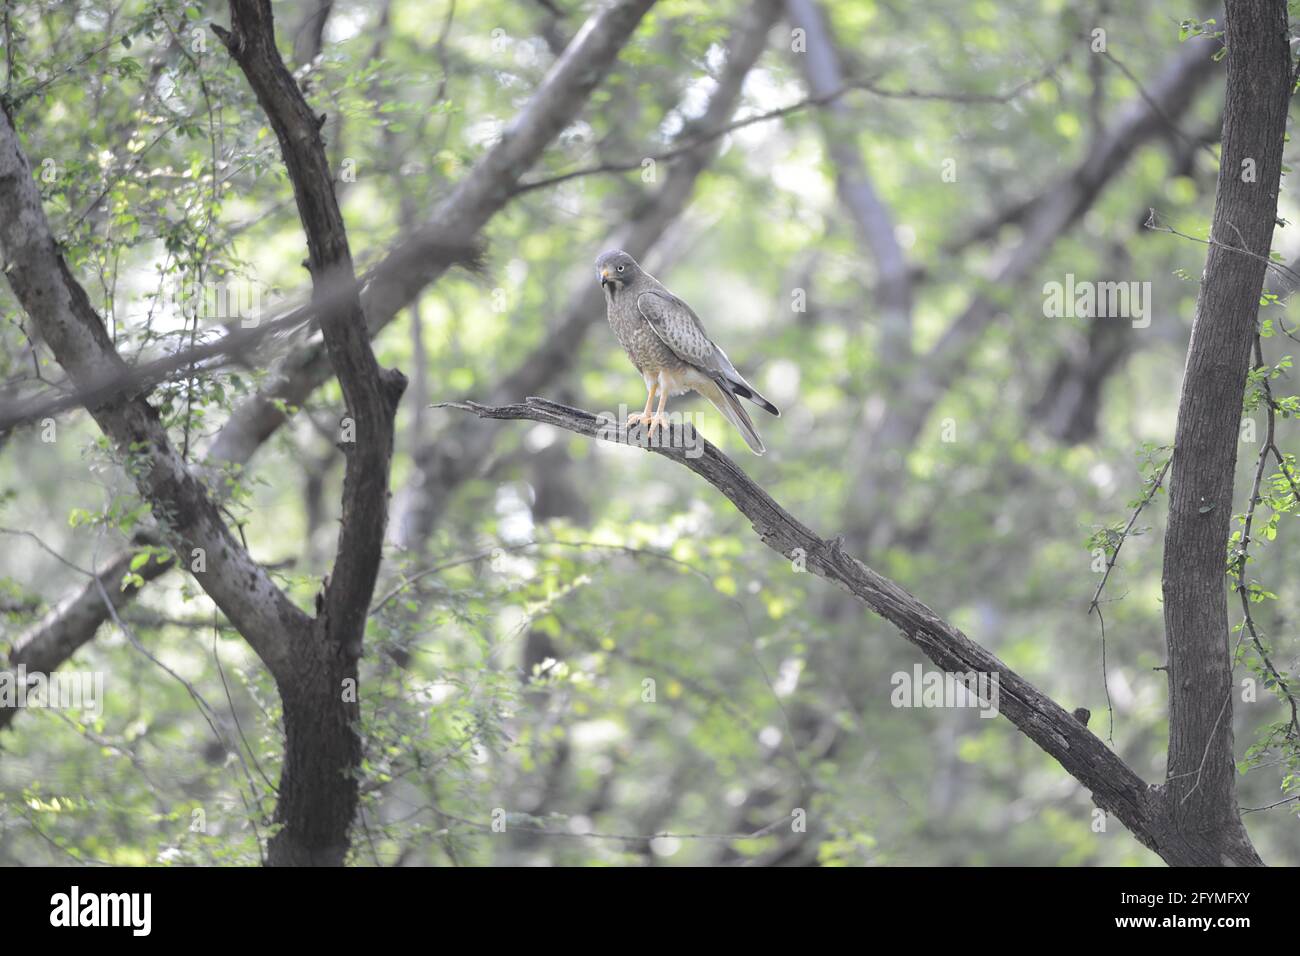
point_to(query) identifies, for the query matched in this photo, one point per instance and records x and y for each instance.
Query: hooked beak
(604, 277)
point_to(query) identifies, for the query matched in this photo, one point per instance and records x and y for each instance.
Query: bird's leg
(659, 420)
(649, 400)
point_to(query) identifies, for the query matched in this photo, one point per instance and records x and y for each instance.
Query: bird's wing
(682, 331)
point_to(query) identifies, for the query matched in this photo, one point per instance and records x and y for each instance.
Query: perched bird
(667, 343)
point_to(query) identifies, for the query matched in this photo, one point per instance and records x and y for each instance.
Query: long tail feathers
(729, 405)
(745, 390)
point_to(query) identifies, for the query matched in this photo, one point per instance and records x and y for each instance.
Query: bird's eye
(620, 268)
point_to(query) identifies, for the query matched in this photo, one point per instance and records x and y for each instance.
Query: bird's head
(616, 267)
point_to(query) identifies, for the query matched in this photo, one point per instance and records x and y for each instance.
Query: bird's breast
(633, 332)
(642, 345)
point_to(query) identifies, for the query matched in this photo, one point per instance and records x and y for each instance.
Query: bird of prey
(667, 343)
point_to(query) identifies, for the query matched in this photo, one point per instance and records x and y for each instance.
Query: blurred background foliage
(603, 646)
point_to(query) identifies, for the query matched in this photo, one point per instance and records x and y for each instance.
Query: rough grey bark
(370, 393)
(1200, 789)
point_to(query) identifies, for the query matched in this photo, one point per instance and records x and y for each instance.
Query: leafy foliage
(591, 650)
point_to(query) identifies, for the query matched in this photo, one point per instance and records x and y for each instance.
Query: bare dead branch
(1114, 786)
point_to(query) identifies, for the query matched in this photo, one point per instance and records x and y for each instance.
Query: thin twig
(864, 85)
(1238, 566)
(1095, 603)
(1287, 271)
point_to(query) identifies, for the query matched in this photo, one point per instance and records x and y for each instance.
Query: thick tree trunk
(1200, 791)
(318, 784)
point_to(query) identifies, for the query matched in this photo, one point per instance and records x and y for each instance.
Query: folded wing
(683, 332)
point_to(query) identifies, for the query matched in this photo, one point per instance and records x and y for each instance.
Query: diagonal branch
(1115, 787)
(72, 623)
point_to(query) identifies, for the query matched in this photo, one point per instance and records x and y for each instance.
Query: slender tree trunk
(1200, 791)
